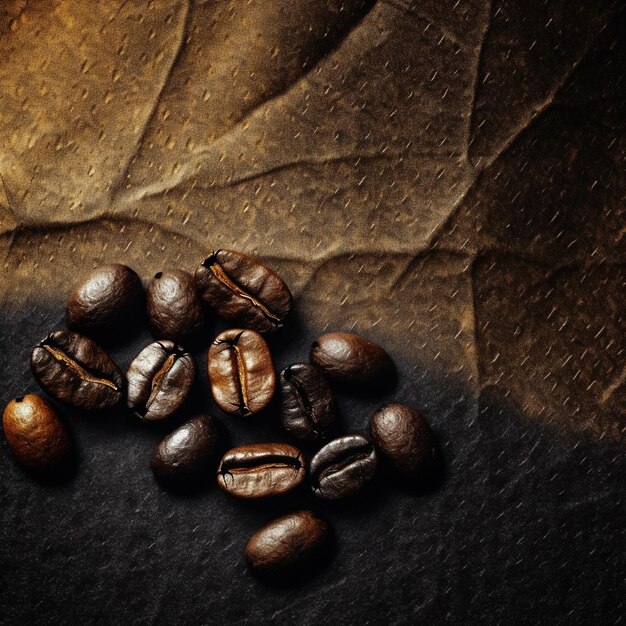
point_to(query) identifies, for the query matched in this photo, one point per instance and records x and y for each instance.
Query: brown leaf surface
(418, 171)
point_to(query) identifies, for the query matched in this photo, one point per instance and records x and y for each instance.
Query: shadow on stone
(191, 486)
(430, 481)
(62, 473)
(375, 389)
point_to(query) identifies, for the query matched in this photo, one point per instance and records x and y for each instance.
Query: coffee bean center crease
(303, 398)
(220, 274)
(81, 371)
(347, 458)
(260, 463)
(157, 381)
(240, 366)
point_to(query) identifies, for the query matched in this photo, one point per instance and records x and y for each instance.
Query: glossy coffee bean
(287, 544)
(404, 439)
(342, 467)
(244, 291)
(241, 372)
(76, 370)
(174, 308)
(159, 380)
(111, 295)
(309, 408)
(186, 453)
(259, 470)
(352, 359)
(36, 436)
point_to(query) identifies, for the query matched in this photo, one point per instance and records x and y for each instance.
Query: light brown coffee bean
(352, 359)
(259, 470)
(38, 439)
(244, 291)
(241, 372)
(290, 543)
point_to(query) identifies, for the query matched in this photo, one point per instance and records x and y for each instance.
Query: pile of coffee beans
(71, 367)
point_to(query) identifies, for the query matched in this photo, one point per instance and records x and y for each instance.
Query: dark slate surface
(525, 525)
(446, 178)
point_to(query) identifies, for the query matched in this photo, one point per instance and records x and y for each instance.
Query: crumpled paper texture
(444, 177)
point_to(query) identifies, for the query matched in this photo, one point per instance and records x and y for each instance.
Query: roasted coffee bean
(174, 308)
(405, 440)
(74, 369)
(111, 295)
(352, 359)
(159, 380)
(288, 544)
(241, 372)
(309, 408)
(37, 437)
(185, 454)
(244, 291)
(342, 467)
(259, 470)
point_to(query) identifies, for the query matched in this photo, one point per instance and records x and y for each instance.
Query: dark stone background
(444, 177)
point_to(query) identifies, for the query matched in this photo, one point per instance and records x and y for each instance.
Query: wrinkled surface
(261, 470)
(308, 409)
(352, 359)
(404, 438)
(241, 372)
(287, 542)
(443, 177)
(185, 453)
(76, 370)
(159, 379)
(174, 309)
(37, 437)
(244, 291)
(343, 467)
(108, 298)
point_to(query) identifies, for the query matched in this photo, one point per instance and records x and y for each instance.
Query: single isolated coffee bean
(352, 359)
(309, 409)
(241, 372)
(404, 439)
(244, 291)
(287, 544)
(159, 380)
(174, 308)
(111, 295)
(342, 467)
(76, 370)
(186, 453)
(36, 436)
(260, 470)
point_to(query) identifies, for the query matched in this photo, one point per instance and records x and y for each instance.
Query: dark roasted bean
(404, 439)
(185, 454)
(241, 372)
(352, 359)
(174, 308)
(244, 291)
(74, 369)
(309, 408)
(259, 470)
(159, 380)
(37, 437)
(110, 295)
(342, 467)
(290, 543)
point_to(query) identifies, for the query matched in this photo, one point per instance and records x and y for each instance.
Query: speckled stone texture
(445, 177)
